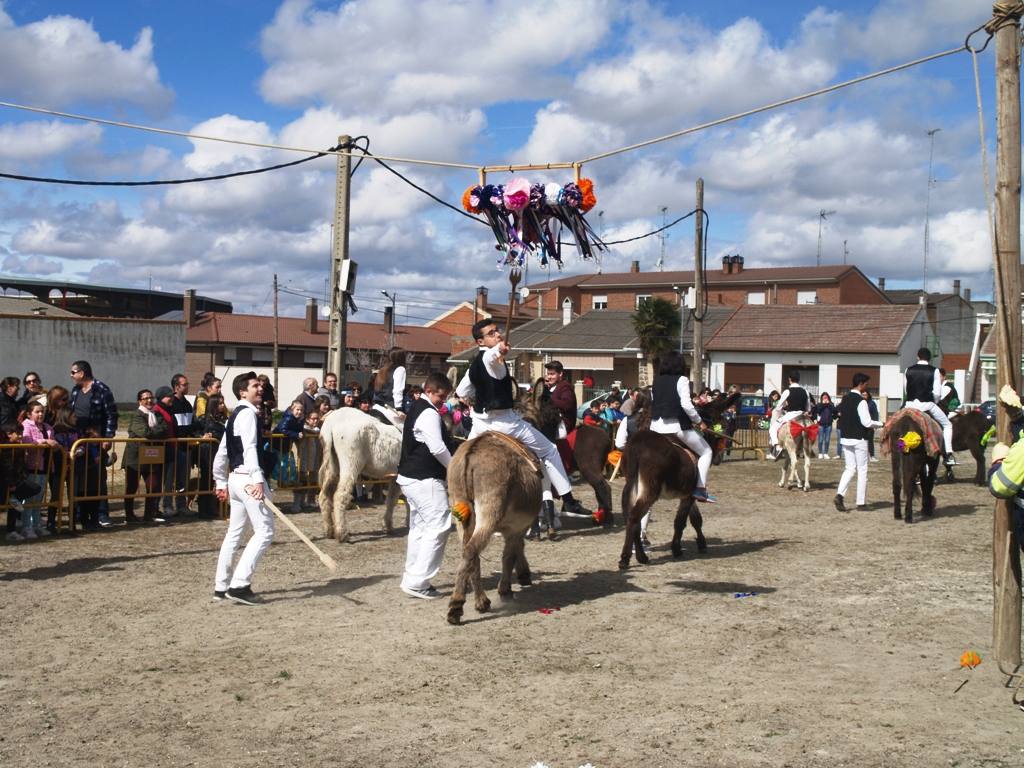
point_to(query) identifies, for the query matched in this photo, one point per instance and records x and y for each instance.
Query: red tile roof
(258, 330)
(873, 328)
(715, 276)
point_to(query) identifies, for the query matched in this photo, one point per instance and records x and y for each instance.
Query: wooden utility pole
(277, 339)
(697, 373)
(339, 255)
(1006, 608)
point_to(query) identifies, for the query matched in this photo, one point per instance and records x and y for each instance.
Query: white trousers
(775, 423)
(511, 423)
(856, 456)
(933, 410)
(244, 509)
(430, 521)
(693, 440)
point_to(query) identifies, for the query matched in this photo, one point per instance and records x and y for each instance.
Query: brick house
(732, 285)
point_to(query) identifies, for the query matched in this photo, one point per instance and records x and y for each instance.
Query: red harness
(811, 430)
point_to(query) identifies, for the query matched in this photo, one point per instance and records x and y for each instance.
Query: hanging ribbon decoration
(529, 218)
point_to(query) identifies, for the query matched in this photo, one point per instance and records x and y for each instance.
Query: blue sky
(484, 82)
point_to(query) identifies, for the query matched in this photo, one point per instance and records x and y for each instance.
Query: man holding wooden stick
(240, 469)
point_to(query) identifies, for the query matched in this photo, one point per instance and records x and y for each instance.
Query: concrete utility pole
(1006, 605)
(391, 329)
(339, 255)
(697, 373)
(277, 338)
(928, 203)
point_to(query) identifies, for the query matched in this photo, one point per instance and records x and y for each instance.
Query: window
(230, 354)
(600, 302)
(314, 357)
(806, 297)
(642, 298)
(262, 355)
(755, 297)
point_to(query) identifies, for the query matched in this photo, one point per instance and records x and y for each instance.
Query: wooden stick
(326, 559)
(513, 281)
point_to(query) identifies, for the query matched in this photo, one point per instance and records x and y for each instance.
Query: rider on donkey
(792, 404)
(490, 385)
(673, 413)
(923, 386)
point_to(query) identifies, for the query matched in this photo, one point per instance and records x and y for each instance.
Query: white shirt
(864, 414)
(671, 426)
(399, 389)
(936, 383)
(427, 430)
(784, 400)
(495, 367)
(246, 427)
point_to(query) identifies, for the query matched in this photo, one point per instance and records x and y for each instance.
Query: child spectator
(309, 462)
(90, 466)
(35, 431)
(592, 416)
(12, 480)
(611, 413)
(290, 425)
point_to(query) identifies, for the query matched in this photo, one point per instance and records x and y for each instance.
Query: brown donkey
(494, 486)
(657, 466)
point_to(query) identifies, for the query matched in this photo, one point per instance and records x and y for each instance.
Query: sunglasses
(73, 371)
(31, 381)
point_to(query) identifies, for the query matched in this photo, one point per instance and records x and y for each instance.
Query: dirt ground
(847, 652)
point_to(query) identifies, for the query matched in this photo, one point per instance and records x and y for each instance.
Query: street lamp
(927, 205)
(682, 315)
(392, 298)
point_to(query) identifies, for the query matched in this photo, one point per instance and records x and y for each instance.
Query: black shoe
(131, 519)
(219, 595)
(950, 460)
(243, 595)
(837, 502)
(777, 452)
(862, 507)
(574, 507)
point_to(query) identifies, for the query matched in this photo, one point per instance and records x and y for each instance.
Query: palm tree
(656, 323)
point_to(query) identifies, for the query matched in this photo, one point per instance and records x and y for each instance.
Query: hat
(554, 365)
(163, 392)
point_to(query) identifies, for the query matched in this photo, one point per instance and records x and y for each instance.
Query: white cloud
(62, 60)
(390, 56)
(39, 139)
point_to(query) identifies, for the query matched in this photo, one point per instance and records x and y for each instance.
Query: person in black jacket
(9, 406)
(857, 427)
(426, 451)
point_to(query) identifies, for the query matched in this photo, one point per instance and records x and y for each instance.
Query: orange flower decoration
(970, 659)
(467, 199)
(461, 511)
(589, 199)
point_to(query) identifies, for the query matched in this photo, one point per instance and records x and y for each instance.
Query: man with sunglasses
(490, 385)
(33, 388)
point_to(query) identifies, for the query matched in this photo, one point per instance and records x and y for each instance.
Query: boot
(548, 512)
(950, 461)
(534, 531)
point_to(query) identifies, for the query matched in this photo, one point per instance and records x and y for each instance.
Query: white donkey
(804, 445)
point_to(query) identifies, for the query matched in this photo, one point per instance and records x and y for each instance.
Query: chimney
(727, 265)
(567, 310)
(389, 321)
(881, 284)
(956, 287)
(188, 308)
(737, 264)
(967, 295)
(481, 298)
(310, 324)
(634, 266)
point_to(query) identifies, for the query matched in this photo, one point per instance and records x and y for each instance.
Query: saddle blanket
(926, 425)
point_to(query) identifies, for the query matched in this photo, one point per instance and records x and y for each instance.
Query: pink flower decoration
(517, 194)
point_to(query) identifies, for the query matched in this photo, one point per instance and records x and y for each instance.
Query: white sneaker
(874, 459)
(428, 593)
(29, 533)
(14, 536)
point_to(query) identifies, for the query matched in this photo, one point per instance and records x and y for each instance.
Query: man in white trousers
(489, 384)
(793, 403)
(426, 451)
(239, 470)
(855, 425)
(923, 383)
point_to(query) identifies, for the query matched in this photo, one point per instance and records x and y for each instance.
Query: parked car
(989, 409)
(752, 405)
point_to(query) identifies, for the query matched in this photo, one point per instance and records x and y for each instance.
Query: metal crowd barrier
(751, 434)
(24, 459)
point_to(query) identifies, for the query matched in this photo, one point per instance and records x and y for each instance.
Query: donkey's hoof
(525, 580)
(623, 565)
(702, 545)
(642, 558)
(677, 551)
(483, 605)
(455, 614)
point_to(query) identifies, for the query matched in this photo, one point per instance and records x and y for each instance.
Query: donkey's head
(538, 410)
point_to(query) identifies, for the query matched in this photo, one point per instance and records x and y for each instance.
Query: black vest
(849, 420)
(632, 425)
(920, 380)
(236, 451)
(386, 394)
(417, 461)
(491, 394)
(667, 404)
(797, 398)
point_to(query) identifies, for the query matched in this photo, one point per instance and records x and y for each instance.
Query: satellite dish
(524, 292)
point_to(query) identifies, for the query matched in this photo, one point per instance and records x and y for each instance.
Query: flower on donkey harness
(461, 511)
(908, 442)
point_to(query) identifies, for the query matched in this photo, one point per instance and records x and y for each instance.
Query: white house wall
(890, 368)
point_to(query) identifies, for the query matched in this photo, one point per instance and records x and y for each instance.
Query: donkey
(494, 486)
(968, 429)
(909, 466)
(803, 445)
(658, 466)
